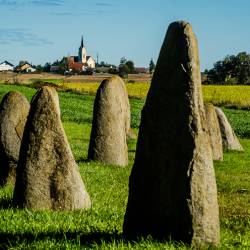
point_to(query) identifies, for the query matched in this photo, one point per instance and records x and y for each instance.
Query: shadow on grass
(132, 151)
(82, 160)
(6, 203)
(14, 239)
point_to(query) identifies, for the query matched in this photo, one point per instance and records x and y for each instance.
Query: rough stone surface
(14, 110)
(126, 106)
(214, 132)
(229, 139)
(47, 174)
(110, 124)
(172, 187)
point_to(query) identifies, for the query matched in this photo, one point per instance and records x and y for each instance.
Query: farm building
(26, 68)
(6, 66)
(141, 70)
(54, 69)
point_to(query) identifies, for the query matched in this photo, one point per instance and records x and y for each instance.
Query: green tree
(22, 62)
(123, 68)
(242, 67)
(151, 67)
(123, 60)
(231, 67)
(46, 67)
(39, 68)
(131, 67)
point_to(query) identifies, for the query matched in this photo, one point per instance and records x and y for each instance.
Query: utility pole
(97, 58)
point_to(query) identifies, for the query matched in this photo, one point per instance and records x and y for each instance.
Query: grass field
(101, 227)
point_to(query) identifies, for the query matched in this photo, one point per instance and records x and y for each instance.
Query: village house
(141, 70)
(55, 69)
(81, 62)
(6, 66)
(25, 68)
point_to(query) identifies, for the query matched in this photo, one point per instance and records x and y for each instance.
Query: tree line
(233, 69)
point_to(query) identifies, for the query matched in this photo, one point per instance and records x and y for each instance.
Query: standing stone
(14, 110)
(126, 106)
(229, 139)
(172, 187)
(214, 132)
(47, 174)
(110, 124)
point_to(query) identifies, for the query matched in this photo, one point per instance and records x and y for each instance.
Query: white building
(90, 62)
(87, 61)
(28, 68)
(6, 66)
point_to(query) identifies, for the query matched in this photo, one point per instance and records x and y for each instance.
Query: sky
(43, 31)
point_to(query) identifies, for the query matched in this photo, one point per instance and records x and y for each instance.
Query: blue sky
(45, 30)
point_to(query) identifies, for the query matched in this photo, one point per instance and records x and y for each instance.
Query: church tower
(82, 54)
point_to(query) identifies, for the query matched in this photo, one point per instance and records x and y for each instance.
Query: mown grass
(101, 226)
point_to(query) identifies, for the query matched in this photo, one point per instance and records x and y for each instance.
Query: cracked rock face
(214, 132)
(111, 123)
(172, 187)
(47, 174)
(229, 138)
(14, 110)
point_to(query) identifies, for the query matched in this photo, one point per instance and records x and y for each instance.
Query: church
(81, 62)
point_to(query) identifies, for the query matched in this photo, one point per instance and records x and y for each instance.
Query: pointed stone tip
(14, 98)
(48, 90)
(14, 95)
(180, 23)
(46, 93)
(110, 80)
(115, 78)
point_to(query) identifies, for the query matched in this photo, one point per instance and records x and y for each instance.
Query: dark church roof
(82, 44)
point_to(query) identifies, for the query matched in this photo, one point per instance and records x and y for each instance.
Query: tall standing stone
(229, 139)
(14, 110)
(47, 174)
(126, 106)
(172, 187)
(110, 124)
(214, 132)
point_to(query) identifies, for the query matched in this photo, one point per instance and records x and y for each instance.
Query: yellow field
(227, 95)
(138, 90)
(218, 95)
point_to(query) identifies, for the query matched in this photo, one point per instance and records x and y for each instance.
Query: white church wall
(91, 63)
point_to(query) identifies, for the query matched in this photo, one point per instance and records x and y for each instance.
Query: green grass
(76, 107)
(101, 226)
(240, 121)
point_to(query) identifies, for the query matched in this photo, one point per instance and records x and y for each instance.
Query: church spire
(82, 44)
(82, 54)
